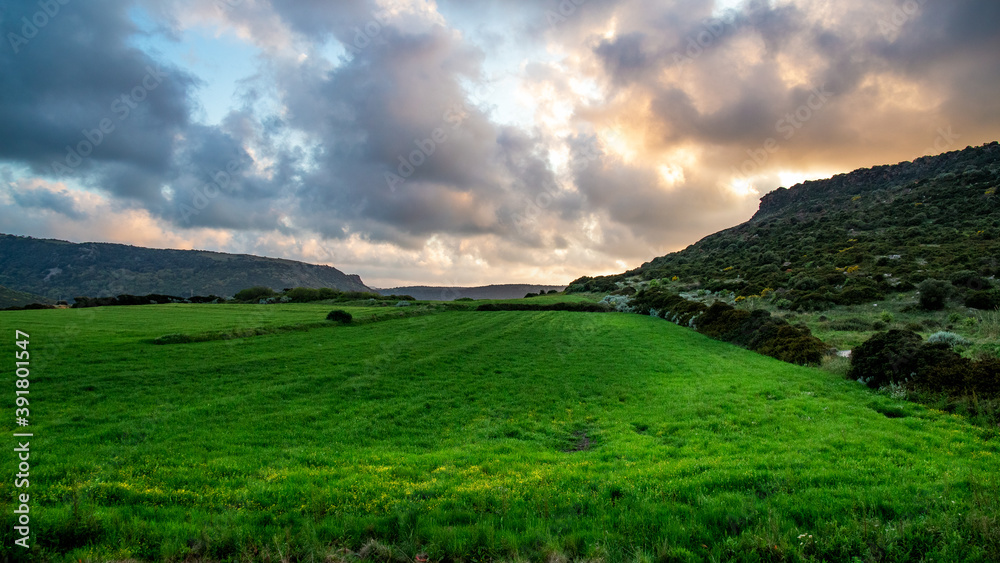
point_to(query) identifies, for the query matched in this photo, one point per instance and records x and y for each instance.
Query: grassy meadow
(472, 436)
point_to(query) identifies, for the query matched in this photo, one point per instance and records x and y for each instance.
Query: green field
(471, 436)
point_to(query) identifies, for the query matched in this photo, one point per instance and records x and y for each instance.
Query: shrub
(793, 345)
(986, 376)
(949, 338)
(340, 316)
(941, 369)
(303, 295)
(853, 324)
(970, 280)
(465, 299)
(620, 303)
(760, 332)
(934, 294)
(254, 294)
(783, 304)
(985, 300)
(859, 294)
(806, 283)
(887, 357)
(403, 304)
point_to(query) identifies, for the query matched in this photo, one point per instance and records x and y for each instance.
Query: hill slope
(63, 270)
(508, 291)
(852, 237)
(12, 298)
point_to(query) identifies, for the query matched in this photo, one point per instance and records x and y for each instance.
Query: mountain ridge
(851, 238)
(63, 270)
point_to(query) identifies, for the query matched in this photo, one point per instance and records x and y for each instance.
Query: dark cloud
(59, 201)
(653, 104)
(79, 72)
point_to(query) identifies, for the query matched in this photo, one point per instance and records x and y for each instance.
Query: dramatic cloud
(480, 141)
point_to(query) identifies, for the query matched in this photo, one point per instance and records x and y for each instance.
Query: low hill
(63, 270)
(853, 237)
(11, 298)
(509, 291)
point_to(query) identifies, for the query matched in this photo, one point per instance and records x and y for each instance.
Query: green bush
(760, 332)
(940, 369)
(806, 283)
(970, 280)
(934, 294)
(255, 294)
(340, 316)
(859, 294)
(900, 356)
(986, 300)
(852, 324)
(887, 357)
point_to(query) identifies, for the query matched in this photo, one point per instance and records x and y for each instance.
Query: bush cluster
(151, 299)
(987, 300)
(757, 330)
(574, 307)
(267, 296)
(340, 316)
(30, 307)
(934, 294)
(901, 357)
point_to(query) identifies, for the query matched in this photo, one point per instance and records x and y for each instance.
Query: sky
(466, 142)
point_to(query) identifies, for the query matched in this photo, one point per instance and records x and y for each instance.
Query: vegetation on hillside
(62, 270)
(10, 298)
(852, 239)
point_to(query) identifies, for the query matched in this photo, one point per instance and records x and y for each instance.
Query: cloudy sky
(466, 142)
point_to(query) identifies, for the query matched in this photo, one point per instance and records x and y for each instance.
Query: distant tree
(934, 294)
(254, 294)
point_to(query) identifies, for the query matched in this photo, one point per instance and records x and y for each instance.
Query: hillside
(11, 298)
(508, 291)
(852, 238)
(63, 270)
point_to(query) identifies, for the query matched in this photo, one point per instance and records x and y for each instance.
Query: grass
(475, 436)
